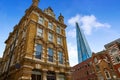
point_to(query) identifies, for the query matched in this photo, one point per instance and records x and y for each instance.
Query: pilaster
(44, 75)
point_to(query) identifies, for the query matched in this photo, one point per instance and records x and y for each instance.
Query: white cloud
(72, 33)
(72, 50)
(88, 23)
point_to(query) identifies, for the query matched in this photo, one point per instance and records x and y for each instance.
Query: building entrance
(36, 74)
(51, 76)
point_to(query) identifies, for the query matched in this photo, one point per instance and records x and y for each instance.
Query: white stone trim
(23, 77)
(28, 57)
(28, 66)
(35, 13)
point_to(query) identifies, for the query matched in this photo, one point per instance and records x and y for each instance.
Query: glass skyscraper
(83, 48)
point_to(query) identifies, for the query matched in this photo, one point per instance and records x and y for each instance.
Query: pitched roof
(111, 43)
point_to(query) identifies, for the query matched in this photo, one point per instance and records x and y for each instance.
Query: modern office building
(83, 48)
(36, 49)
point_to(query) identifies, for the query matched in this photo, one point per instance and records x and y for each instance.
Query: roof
(111, 43)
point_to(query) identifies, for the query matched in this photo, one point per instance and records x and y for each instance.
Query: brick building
(84, 71)
(37, 48)
(113, 49)
(102, 65)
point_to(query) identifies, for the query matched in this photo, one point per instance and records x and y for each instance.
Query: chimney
(35, 2)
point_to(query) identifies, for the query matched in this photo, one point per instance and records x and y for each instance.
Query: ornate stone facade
(37, 48)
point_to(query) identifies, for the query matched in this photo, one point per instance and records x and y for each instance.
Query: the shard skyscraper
(83, 48)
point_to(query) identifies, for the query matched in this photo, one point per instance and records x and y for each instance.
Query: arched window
(107, 74)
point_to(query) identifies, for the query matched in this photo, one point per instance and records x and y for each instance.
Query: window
(59, 40)
(50, 36)
(40, 20)
(50, 54)
(117, 58)
(36, 74)
(107, 75)
(50, 26)
(38, 52)
(95, 60)
(119, 69)
(61, 77)
(39, 32)
(60, 57)
(58, 29)
(114, 51)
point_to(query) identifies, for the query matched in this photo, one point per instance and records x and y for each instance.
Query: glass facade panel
(84, 51)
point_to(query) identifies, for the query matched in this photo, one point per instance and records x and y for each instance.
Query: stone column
(57, 75)
(44, 75)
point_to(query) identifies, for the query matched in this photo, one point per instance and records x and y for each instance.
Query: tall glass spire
(83, 48)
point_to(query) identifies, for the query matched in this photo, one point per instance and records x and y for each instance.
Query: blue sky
(99, 19)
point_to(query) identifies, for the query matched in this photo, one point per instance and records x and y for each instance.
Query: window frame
(38, 56)
(59, 40)
(39, 32)
(60, 57)
(58, 30)
(50, 37)
(50, 55)
(40, 20)
(50, 25)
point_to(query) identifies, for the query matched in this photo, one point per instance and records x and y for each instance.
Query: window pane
(60, 56)
(50, 54)
(38, 51)
(50, 26)
(39, 32)
(50, 36)
(58, 29)
(40, 20)
(59, 41)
